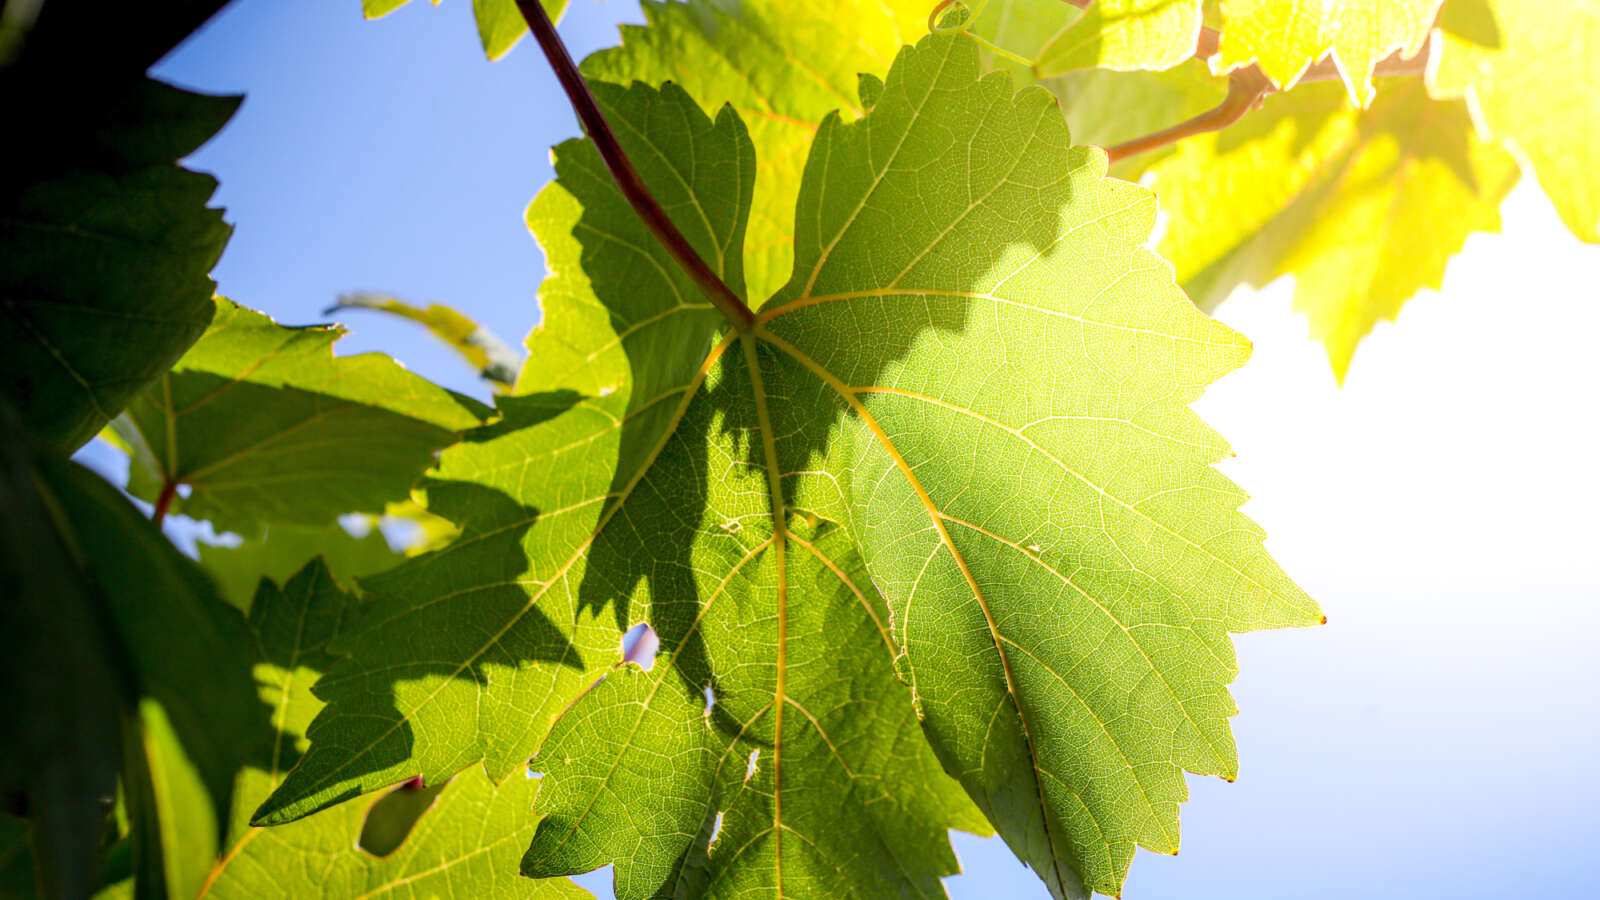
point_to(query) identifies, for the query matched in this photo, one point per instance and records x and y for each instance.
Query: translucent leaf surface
(975, 383)
(783, 66)
(500, 24)
(104, 280)
(1284, 37)
(264, 424)
(466, 845)
(1124, 34)
(1531, 72)
(1364, 209)
(494, 359)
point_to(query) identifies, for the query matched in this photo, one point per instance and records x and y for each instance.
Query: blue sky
(1438, 738)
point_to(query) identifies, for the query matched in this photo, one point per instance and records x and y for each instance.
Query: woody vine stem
(627, 178)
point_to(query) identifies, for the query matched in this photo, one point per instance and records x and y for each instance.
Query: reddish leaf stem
(1247, 87)
(627, 178)
(169, 490)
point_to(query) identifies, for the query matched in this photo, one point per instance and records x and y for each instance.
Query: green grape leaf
(1364, 209)
(1530, 71)
(465, 845)
(1124, 35)
(61, 731)
(190, 718)
(783, 67)
(494, 359)
(264, 425)
(1284, 37)
(529, 490)
(284, 549)
(959, 392)
(500, 24)
(108, 242)
(18, 875)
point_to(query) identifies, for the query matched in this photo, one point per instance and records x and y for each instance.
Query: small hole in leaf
(390, 820)
(639, 645)
(711, 699)
(750, 767)
(716, 829)
(184, 490)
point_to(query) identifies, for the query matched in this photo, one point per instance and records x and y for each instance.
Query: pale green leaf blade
(1531, 72)
(808, 776)
(1063, 607)
(1124, 35)
(470, 652)
(500, 24)
(1364, 209)
(1284, 37)
(104, 282)
(264, 424)
(465, 845)
(484, 350)
(783, 66)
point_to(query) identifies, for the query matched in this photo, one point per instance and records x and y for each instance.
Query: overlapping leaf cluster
(936, 543)
(869, 561)
(1362, 195)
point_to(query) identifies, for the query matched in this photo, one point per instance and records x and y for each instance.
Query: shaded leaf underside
(247, 417)
(975, 382)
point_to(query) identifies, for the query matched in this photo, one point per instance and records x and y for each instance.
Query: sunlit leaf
(975, 382)
(494, 359)
(1284, 37)
(1364, 209)
(1531, 72)
(263, 424)
(1124, 34)
(783, 66)
(500, 24)
(466, 845)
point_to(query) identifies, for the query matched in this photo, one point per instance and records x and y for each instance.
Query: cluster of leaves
(929, 541)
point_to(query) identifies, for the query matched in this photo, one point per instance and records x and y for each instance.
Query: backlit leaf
(1364, 209)
(500, 24)
(783, 66)
(1530, 70)
(1284, 37)
(975, 382)
(263, 424)
(1124, 34)
(466, 845)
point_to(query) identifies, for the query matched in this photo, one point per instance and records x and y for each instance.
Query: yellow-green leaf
(1530, 70)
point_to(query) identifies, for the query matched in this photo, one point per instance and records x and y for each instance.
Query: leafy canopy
(795, 511)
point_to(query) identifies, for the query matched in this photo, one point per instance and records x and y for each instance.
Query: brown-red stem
(169, 490)
(623, 173)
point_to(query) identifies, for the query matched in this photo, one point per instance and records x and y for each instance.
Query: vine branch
(169, 490)
(623, 173)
